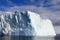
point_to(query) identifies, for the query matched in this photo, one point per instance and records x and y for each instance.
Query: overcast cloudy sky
(46, 8)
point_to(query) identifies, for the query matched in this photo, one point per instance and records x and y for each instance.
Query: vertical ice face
(47, 28)
(35, 22)
(42, 27)
(21, 24)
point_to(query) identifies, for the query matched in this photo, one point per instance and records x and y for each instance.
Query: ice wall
(27, 24)
(43, 27)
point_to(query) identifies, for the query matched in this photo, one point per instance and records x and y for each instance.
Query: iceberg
(26, 23)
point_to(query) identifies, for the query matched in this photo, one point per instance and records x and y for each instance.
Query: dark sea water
(27, 38)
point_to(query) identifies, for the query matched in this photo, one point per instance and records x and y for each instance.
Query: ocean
(26, 38)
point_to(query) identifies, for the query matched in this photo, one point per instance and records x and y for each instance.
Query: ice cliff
(26, 23)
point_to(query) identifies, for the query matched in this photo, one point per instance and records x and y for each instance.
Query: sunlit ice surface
(42, 27)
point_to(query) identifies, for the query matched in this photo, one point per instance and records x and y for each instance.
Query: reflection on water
(25, 38)
(5, 38)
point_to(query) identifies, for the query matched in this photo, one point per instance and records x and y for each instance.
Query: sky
(46, 8)
(9, 3)
(37, 3)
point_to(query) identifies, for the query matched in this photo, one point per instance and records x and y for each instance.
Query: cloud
(10, 3)
(55, 5)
